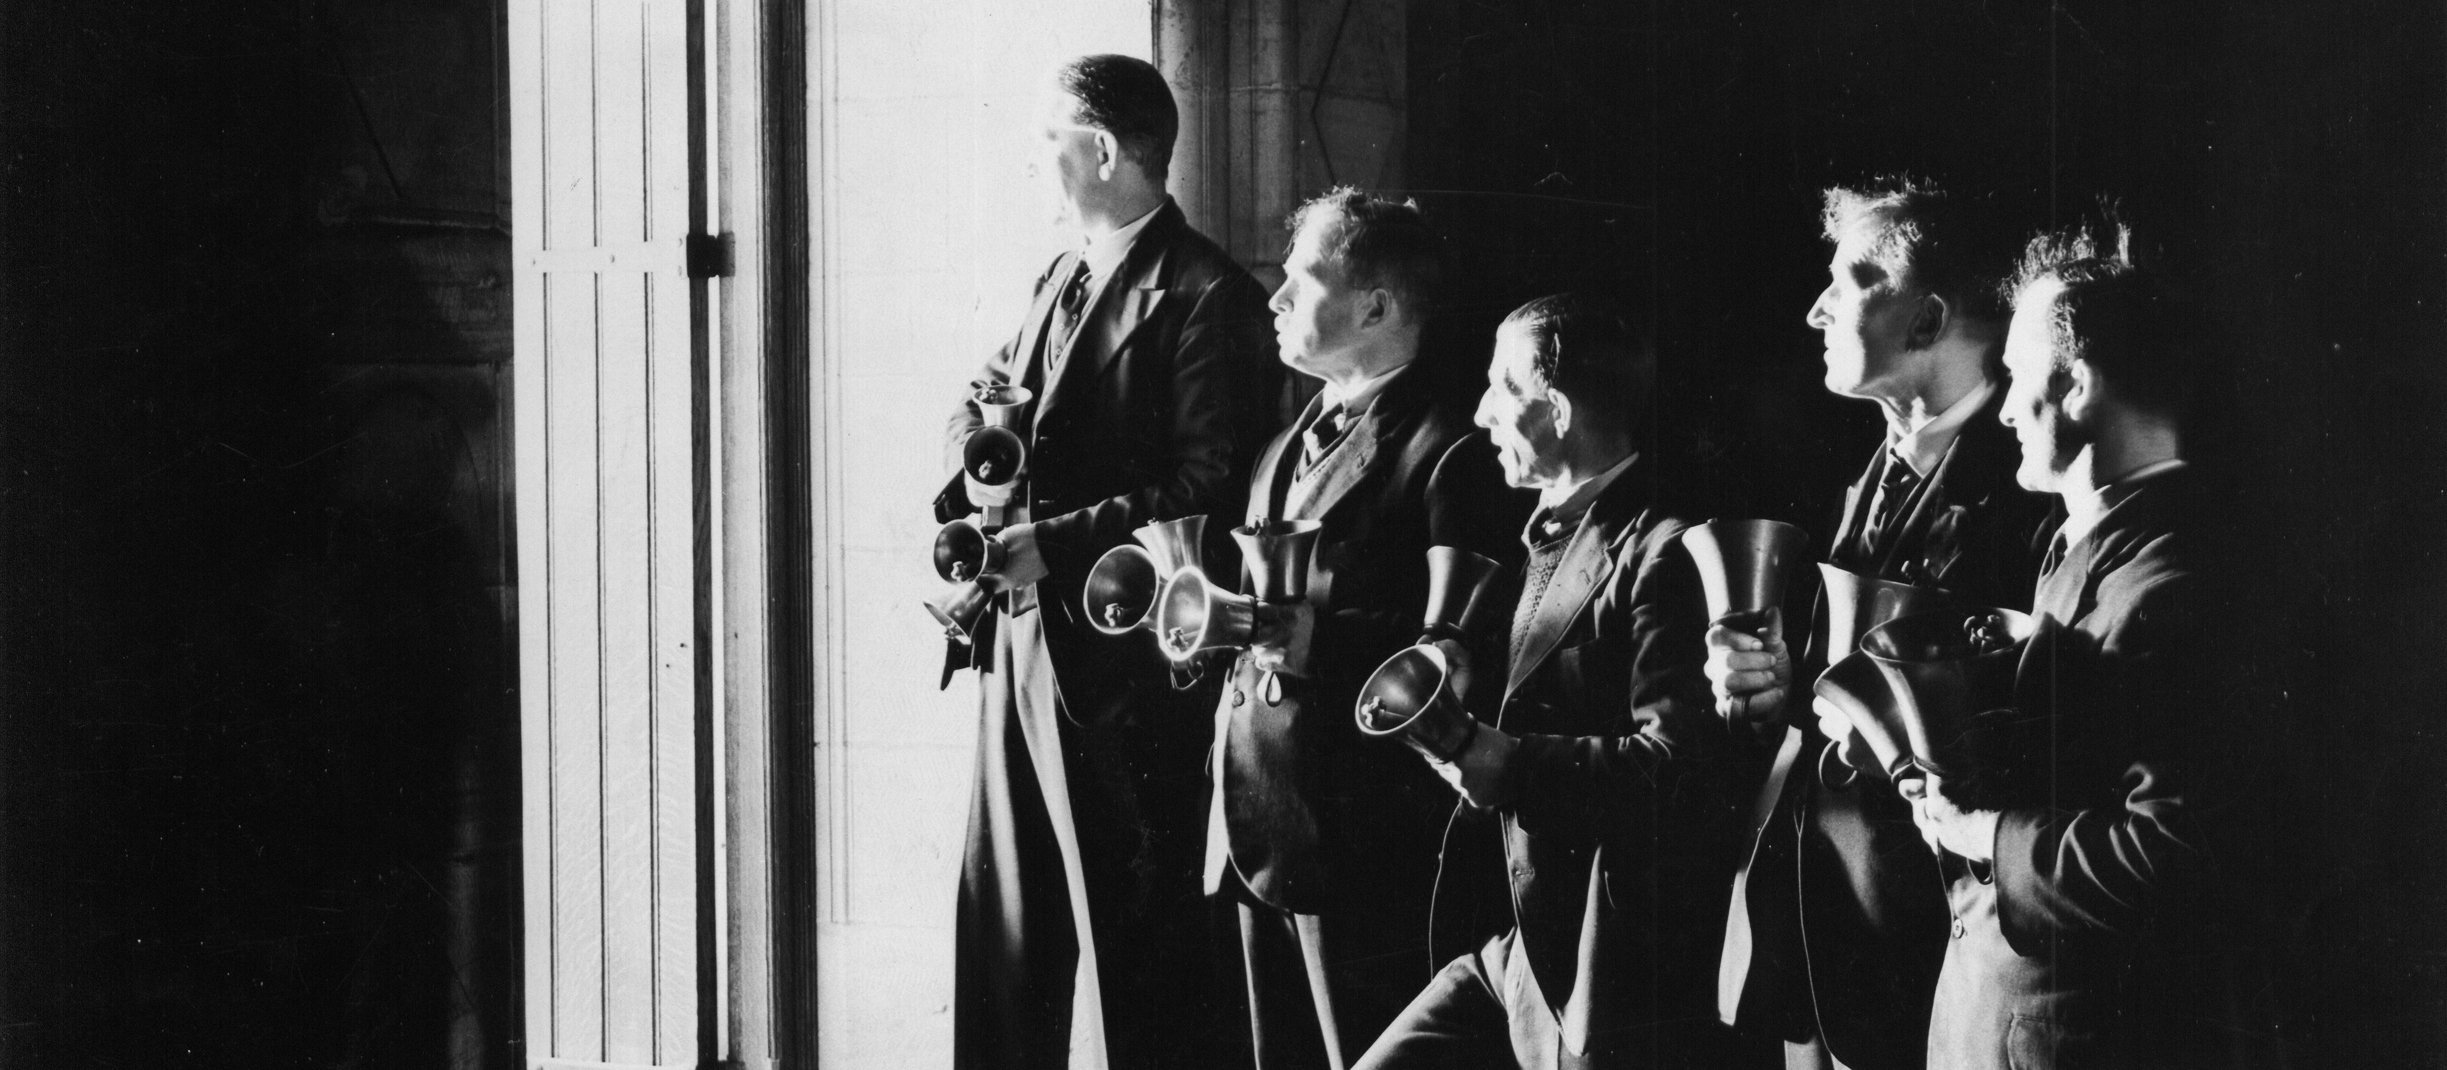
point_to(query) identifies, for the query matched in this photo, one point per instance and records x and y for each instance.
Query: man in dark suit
(1608, 775)
(1836, 926)
(1081, 929)
(2102, 912)
(1325, 841)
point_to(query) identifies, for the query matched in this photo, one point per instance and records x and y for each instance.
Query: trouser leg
(1458, 1022)
(1285, 1009)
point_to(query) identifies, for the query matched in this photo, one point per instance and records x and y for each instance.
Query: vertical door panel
(609, 327)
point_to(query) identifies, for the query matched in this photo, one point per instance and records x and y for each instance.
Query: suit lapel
(1586, 565)
(1274, 467)
(1115, 309)
(1032, 330)
(1856, 504)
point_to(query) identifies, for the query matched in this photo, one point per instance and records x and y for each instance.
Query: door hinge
(709, 256)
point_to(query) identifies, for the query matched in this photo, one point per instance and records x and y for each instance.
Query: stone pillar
(1280, 99)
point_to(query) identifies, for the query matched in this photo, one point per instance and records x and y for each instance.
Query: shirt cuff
(1022, 563)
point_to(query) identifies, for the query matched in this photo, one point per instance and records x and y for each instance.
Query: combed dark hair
(1587, 347)
(1127, 98)
(1931, 240)
(1377, 244)
(2113, 313)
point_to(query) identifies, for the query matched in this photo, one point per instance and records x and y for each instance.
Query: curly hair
(2108, 310)
(1930, 240)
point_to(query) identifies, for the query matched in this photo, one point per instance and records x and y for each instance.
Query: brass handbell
(959, 609)
(1411, 694)
(1194, 615)
(963, 552)
(1121, 591)
(1857, 603)
(1946, 669)
(1744, 566)
(994, 456)
(1004, 405)
(1276, 553)
(1856, 686)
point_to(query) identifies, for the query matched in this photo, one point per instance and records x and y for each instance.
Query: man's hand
(1749, 673)
(1282, 638)
(1022, 563)
(985, 496)
(1850, 748)
(1478, 772)
(1969, 834)
(1457, 668)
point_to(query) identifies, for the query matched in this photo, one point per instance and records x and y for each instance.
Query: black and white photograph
(1223, 534)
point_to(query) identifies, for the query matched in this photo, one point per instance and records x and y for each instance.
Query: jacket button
(1238, 697)
(1958, 928)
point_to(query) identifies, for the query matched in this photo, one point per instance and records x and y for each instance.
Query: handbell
(1277, 556)
(963, 552)
(994, 456)
(1857, 603)
(1856, 686)
(1947, 667)
(1004, 405)
(1121, 591)
(1411, 697)
(1175, 543)
(1744, 566)
(1457, 585)
(1193, 615)
(959, 609)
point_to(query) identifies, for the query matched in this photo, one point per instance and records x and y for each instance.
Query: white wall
(927, 240)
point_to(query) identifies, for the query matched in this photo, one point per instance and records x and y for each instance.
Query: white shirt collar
(1356, 399)
(1104, 254)
(1569, 502)
(2082, 517)
(1924, 446)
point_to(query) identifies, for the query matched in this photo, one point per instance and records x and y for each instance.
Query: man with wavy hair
(1835, 928)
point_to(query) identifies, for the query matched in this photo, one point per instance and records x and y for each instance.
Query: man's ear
(1376, 308)
(1559, 408)
(2084, 392)
(1929, 318)
(1108, 155)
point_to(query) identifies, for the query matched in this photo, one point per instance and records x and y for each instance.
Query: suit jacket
(1168, 386)
(2109, 927)
(1621, 829)
(1844, 904)
(1314, 816)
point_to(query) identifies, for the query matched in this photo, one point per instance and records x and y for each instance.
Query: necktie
(1895, 486)
(1322, 436)
(1545, 539)
(1067, 307)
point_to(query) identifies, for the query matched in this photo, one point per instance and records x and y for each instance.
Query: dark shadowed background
(258, 723)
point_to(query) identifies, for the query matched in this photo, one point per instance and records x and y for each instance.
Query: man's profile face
(1519, 415)
(1316, 313)
(1066, 157)
(1864, 318)
(2034, 397)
